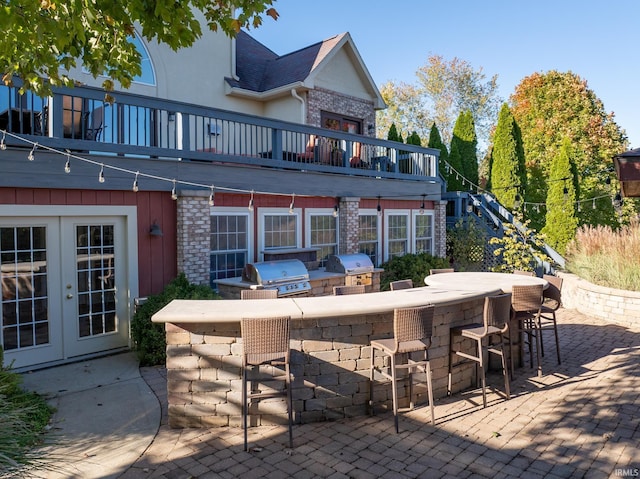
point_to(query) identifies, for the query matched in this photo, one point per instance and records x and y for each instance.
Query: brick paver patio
(581, 419)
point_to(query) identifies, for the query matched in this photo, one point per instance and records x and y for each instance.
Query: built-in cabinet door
(64, 288)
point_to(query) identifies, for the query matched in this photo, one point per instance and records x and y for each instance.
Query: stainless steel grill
(289, 276)
(357, 263)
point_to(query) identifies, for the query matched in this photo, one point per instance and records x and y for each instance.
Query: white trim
(416, 214)
(262, 212)
(374, 212)
(308, 213)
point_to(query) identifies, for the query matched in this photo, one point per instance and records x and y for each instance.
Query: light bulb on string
(174, 193)
(67, 165)
(293, 197)
(101, 174)
(593, 204)
(379, 208)
(516, 202)
(250, 207)
(422, 206)
(335, 211)
(135, 183)
(31, 155)
(565, 193)
(579, 207)
(3, 145)
(212, 201)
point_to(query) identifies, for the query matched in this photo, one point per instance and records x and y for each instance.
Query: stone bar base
(330, 363)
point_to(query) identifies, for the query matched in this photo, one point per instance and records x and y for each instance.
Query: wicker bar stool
(552, 300)
(265, 342)
(259, 294)
(401, 284)
(496, 318)
(441, 270)
(526, 302)
(412, 329)
(342, 290)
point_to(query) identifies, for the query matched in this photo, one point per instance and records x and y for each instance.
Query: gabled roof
(261, 71)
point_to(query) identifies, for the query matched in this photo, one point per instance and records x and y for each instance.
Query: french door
(64, 288)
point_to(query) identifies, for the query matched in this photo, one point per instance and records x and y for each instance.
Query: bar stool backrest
(265, 339)
(497, 312)
(401, 284)
(553, 292)
(526, 298)
(412, 328)
(259, 294)
(342, 290)
(441, 270)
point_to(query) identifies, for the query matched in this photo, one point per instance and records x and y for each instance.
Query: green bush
(466, 245)
(23, 417)
(148, 337)
(410, 266)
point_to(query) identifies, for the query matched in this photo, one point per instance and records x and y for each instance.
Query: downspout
(303, 114)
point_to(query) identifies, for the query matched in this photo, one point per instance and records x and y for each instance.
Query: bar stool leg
(394, 390)
(480, 367)
(430, 393)
(244, 405)
(371, 371)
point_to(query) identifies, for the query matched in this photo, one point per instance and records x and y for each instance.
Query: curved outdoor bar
(330, 337)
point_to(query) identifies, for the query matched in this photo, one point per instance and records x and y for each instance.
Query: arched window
(148, 75)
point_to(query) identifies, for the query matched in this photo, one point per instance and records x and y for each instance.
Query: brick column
(440, 225)
(349, 225)
(194, 232)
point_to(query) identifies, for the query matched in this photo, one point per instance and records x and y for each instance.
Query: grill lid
(349, 263)
(268, 273)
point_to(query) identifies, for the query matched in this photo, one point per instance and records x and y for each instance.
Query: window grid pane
(368, 237)
(323, 236)
(424, 234)
(398, 235)
(229, 247)
(280, 231)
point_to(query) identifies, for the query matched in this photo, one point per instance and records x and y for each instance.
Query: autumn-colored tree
(561, 219)
(443, 90)
(462, 155)
(41, 40)
(508, 175)
(549, 107)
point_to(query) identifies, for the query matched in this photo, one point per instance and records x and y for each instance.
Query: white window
(231, 234)
(397, 237)
(279, 229)
(423, 232)
(321, 232)
(369, 235)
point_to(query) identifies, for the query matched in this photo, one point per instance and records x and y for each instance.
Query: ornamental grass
(607, 257)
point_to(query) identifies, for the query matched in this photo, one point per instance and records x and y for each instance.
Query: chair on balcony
(412, 330)
(496, 318)
(441, 270)
(552, 300)
(343, 290)
(401, 284)
(310, 155)
(94, 124)
(526, 302)
(265, 342)
(259, 294)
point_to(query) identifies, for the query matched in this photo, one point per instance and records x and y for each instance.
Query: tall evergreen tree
(435, 142)
(463, 155)
(392, 135)
(414, 139)
(508, 175)
(562, 194)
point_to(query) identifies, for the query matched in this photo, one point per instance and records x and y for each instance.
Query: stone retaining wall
(330, 361)
(614, 305)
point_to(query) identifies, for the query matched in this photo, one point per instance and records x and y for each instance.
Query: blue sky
(596, 40)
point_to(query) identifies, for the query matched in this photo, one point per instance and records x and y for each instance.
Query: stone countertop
(468, 281)
(232, 310)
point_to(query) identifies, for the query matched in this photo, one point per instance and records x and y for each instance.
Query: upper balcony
(135, 126)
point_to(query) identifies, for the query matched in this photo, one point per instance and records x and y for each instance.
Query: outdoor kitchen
(295, 272)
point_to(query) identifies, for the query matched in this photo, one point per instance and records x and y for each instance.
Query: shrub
(466, 245)
(23, 417)
(410, 266)
(149, 338)
(519, 249)
(607, 257)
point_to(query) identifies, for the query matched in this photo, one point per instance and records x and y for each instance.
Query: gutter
(303, 114)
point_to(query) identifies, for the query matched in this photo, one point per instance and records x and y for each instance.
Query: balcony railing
(134, 125)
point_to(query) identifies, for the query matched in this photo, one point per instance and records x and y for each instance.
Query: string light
(67, 165)
(379, 208)
(101, 174)
(593, 205)
(293, 198)
(174, 193)
(516, 201)
(336, 209)
(3, 145)
(565, 193)
(250, 207)
(135, 183)
(212, 201)
(422, 206)
(31, 156)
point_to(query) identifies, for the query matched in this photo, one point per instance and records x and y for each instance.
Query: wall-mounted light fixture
(155, 230)
(371, 129)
